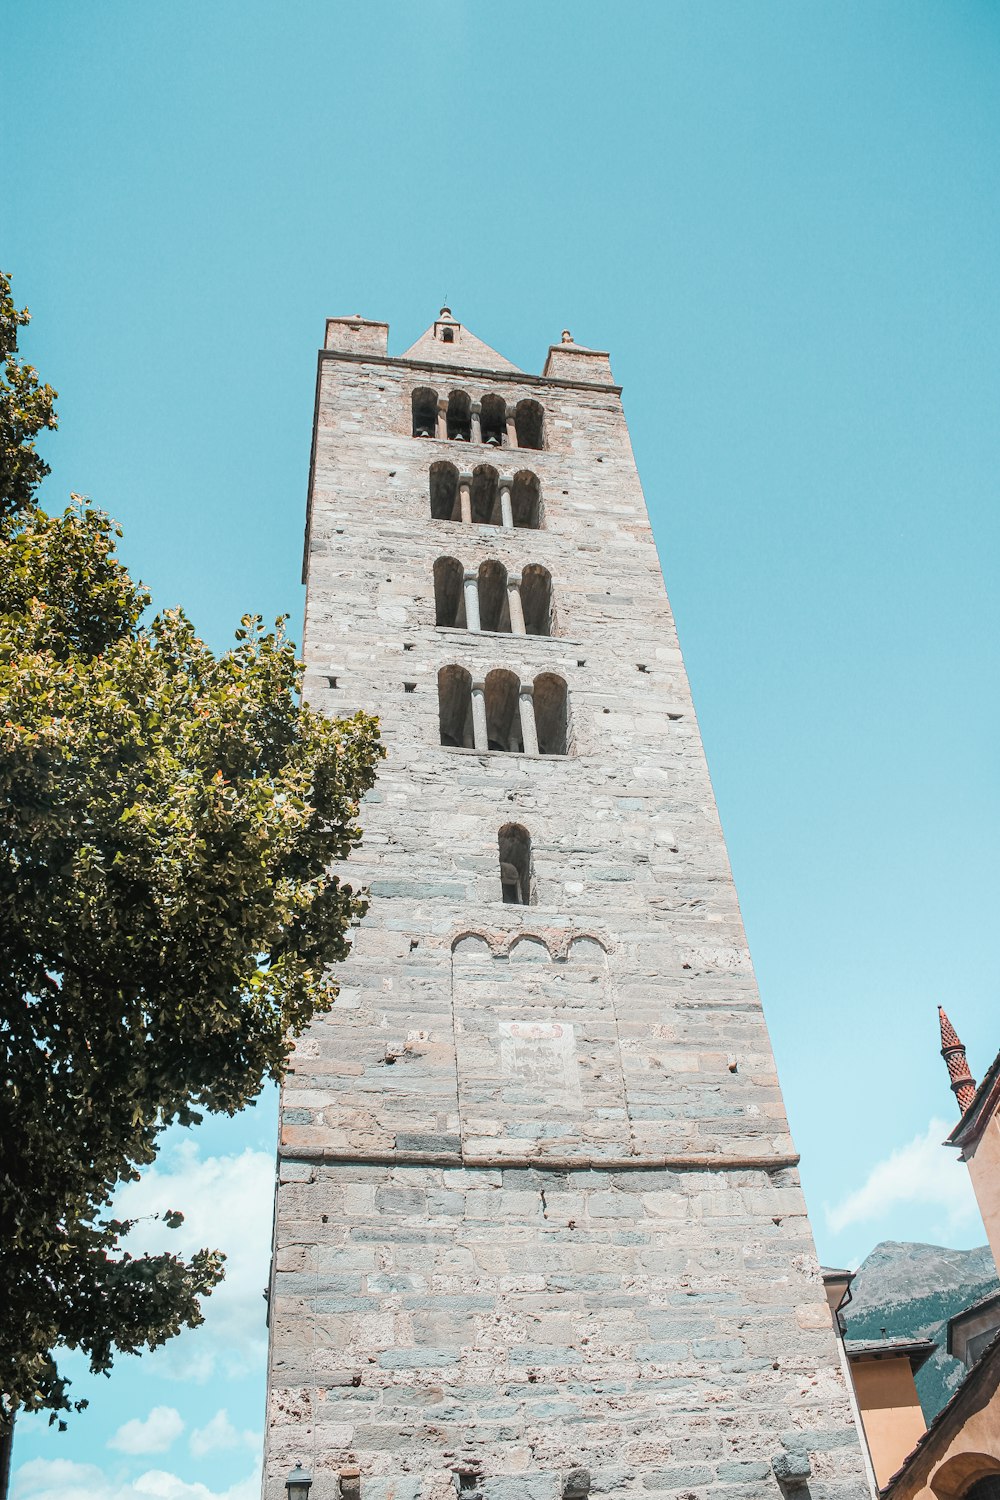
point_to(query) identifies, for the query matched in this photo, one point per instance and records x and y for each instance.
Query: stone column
(511, 431)
(526, 708)
(479, 716)
(506, 506)
(442, 422)
(514, 606)
(475, 423)
(471, 583)
(465, 497)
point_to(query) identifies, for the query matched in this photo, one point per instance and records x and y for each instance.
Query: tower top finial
(445, 312)
(567, 337)
(962, 1082)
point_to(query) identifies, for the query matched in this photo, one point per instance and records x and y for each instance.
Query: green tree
(169, 914)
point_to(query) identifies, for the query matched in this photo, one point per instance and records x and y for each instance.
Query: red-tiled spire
(962, 1082)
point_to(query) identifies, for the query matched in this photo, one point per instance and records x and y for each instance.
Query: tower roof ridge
(447, 342)
(962, 1082)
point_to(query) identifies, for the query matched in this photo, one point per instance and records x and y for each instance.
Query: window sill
(505, 754)
(503, 635)
(468, 443)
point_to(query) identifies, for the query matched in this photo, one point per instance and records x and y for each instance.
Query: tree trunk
(6, 1448)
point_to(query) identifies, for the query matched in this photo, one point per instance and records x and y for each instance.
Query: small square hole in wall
(332, 682)
(641, 667)
(582, 663)
(408, 645)
(409, 687)
(675, 716)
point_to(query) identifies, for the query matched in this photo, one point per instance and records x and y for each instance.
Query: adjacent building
(956, 1457)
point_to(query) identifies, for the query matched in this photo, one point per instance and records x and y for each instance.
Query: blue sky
(782, 219)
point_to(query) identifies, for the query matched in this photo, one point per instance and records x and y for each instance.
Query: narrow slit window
(516, 873)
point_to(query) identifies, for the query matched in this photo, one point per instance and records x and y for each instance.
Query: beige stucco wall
(965, 1448)
(890, 1410)
(984, 1169)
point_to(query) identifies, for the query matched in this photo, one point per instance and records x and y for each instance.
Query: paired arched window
(449, 593)
(455, 707)
(424, 403)
(987, 1488)
(529, 424)
(485, 497)
(551, 714)
(536, 600)
(526, 501)
(445, 504)
(459, 419)
(492, 599)
(493, 421)
(462, 418)
(501, 713)
(517, 882)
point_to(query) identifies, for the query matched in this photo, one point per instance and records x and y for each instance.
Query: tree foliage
(168, 912)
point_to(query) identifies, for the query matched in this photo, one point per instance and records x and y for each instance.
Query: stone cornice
(448, 372)
(716, 1162)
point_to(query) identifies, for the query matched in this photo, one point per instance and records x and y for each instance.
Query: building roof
(978, 1112)
(462, 350)
(973, 1311)
(917, 1351)
(952, 1414)
(962, 1082)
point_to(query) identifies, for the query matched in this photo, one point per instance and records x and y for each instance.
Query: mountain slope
(911, 1290)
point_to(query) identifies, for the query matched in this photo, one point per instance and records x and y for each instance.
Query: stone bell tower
(539, 1231)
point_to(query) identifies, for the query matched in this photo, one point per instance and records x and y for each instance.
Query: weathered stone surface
(537, 1210)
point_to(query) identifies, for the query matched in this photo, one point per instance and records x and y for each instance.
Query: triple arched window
(461, 418)
(492, 599)
(485, 497)
(502, 713)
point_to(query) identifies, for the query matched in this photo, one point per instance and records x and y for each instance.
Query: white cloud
(219, 1434)
(924, 1173)
(154, 1435)
(227, 1203)
(61, 1479)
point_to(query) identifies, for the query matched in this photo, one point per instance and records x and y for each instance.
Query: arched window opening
(447, 335)
(459, 417)
(516, 875)
(455, 707)
(528, 424)
(503, 717)
(494, 612)
(536, 600)
(449, 593)
(552, 715)
(526, 500)
(987, 1488)
(494, 421)
(425, 408)
(486, 495)
(445, 502)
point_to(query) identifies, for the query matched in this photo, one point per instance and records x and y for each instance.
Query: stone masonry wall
(538, 1206)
